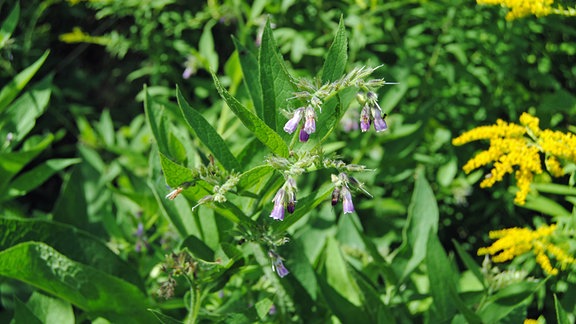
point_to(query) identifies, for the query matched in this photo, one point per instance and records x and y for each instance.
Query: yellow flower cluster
(522, 8)
(512, 242)
(516, 148)
(79, 36)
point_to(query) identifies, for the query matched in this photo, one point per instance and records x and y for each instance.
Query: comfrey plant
(292, 119)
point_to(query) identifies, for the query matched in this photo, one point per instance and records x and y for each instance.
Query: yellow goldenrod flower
(79, 36)
(517, 149)
(558, 144)
(554, 167)
(522, 8)
(531, 122)
(530, 321)
(502, 129)
(512, 242)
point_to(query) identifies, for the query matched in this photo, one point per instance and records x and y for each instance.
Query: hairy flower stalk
(518, 149)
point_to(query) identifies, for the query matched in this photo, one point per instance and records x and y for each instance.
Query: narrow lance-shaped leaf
(9, 25)
(37, 176)
(337, 57)
(20, 117)
(443, 284)
(561, 315)
(12, 162)
(422, 221)
(156, 122)
(264, 133)
(89, 289)
(13, 88)
(277, 85)
(249, 64)
(207, 134)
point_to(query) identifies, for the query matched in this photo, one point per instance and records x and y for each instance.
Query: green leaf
(554, 188)
(340, 306)
(50, 310)
(561, 315)
(277, 84)
(506, 301)
(470, 263)
(264, 133)
(422, 222)
(337, 273)
(249, 64)
(546, 206)
(13, 162)
(207, 134)
(14, 87)
(22, 314)
(300, 267)
(206, 47)
(174, 210)
(9, 25)
(73, 243)
(20, 117)
(158, 124)
(198, 248)
(337, 57)
(443, 285)
(89, 289)
(37, 176)
(263, 307)
(255, 177)
(164, 319)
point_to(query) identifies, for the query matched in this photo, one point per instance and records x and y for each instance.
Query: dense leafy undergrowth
(287, 161)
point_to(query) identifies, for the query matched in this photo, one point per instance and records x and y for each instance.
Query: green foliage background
(103, 128)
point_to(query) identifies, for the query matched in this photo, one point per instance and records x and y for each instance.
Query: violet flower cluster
(285, 199)
(341, 192)
(372, 113)
(278, 264)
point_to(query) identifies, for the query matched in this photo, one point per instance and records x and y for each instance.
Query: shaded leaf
(561, 315)
(89, 289)
(249, 64)
(9, 25)
(50, 310)
(14, 87)
(37, 176)
(71, 242)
